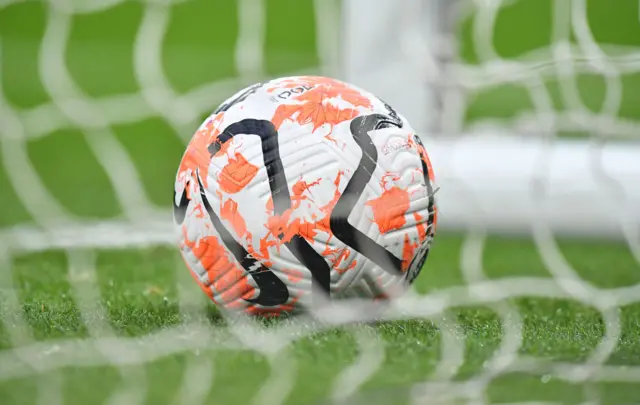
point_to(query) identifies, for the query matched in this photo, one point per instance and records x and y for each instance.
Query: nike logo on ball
(180, 210)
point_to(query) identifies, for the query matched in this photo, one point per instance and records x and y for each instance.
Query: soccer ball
(300, 191)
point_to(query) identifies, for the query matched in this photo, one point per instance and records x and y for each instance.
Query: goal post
(510, 173)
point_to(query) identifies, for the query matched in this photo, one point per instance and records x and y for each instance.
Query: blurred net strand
(39, 357)
(370, 359)
(86, 293)
(15, 324)
(250, 43)
(328, 27)
(72, 108)
(108, 152)
(458, 82)
(199, 372)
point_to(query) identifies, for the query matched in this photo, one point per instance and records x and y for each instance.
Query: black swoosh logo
(180, 210)
(272, 290)
(431, 209)
(298, 246)
(427, 181)
(339, 221)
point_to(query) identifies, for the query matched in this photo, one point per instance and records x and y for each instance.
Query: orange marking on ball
(293, 275)
(408, 251)
(421, 225)
(390, 208)
(229, 211)
(315, 107)
(229, 280)
(236, 174)
(197, 156)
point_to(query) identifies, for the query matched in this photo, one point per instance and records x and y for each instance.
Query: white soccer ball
(303, 189)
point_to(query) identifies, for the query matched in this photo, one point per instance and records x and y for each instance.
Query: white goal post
(508, 175)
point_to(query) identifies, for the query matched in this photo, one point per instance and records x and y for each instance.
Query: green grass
(139, 289)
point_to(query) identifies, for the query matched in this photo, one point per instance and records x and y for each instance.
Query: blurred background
(530, 110)
(99, 98)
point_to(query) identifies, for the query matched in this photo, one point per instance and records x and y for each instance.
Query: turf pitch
(139, 287)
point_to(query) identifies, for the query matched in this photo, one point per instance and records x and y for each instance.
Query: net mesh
(571, 50)
(554, 63)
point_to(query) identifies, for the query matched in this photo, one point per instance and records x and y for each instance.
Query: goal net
(535, 96)
(530, 111)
